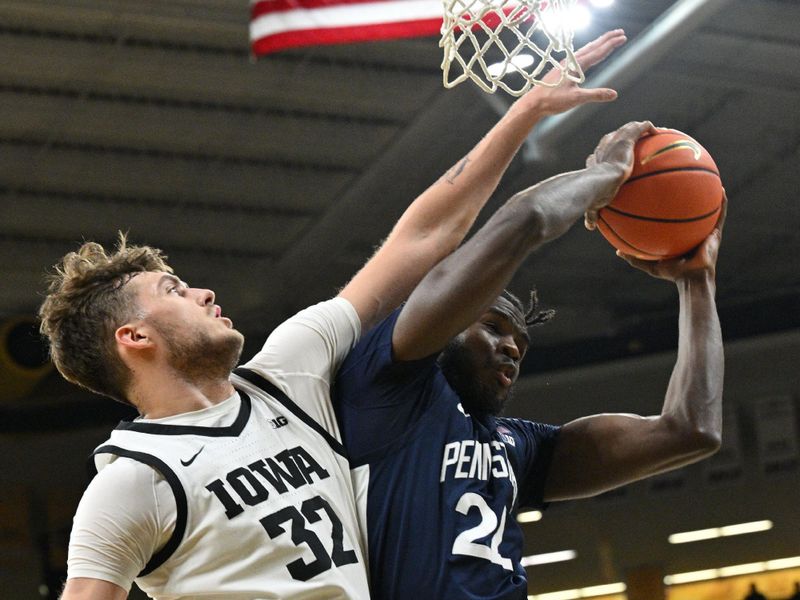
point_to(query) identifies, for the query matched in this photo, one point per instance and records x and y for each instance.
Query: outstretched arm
(457, 291)
(437, 221)
(601, 452)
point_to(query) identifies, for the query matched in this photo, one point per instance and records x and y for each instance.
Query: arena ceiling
(271, 181)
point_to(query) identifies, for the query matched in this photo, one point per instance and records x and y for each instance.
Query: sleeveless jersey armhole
(181, 505)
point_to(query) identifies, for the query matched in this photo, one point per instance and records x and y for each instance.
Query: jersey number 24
(466, 542)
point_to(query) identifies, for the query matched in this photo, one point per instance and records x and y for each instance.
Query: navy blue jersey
(443, 486)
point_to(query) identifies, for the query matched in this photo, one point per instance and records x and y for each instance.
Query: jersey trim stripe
(270, 388)
(234, 429)
(181, 504)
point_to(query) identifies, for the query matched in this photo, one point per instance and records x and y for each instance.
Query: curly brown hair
(87, 301)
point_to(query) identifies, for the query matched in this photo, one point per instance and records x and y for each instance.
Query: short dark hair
(531, 314)
(87, 300)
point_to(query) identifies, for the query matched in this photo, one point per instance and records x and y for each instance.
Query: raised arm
(601, 452)
(457, 291)
(437, 221)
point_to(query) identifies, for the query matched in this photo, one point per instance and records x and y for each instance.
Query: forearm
(601, 452)
(694, 394)
(528, 220)
(563, 199)
(449, 207)
(437, 221)
(459, 288)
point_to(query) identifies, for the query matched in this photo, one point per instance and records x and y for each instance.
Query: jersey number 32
(310, 512)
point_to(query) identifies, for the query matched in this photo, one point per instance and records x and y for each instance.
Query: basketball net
(536, 38)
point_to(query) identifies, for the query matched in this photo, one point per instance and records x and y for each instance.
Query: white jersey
(264, 505)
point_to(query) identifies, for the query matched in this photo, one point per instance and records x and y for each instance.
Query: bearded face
(196, 353)
(482, 363)
(462, 367)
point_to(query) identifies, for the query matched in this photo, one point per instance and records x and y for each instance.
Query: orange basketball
(671, 201)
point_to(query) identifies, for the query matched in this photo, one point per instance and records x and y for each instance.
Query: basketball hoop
(508, 44)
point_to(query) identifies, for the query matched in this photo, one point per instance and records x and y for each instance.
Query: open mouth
(504, 379)
(506, 374)
(218, 315)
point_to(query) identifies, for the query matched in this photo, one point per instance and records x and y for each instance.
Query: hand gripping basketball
(702, 260)
(670, 202)
(616, 150)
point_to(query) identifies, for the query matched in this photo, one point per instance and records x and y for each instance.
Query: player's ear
(134, 335)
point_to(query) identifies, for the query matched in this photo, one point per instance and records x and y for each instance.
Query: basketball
(671, 201)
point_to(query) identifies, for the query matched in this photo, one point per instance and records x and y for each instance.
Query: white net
(508, 44)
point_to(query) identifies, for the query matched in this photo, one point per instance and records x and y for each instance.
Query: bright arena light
(691, 576)
(549, 557)
(733, 570)
(565, 595)
(577, 18)
(752, 527)
(776, 564)
(783, 563)
(587, 592)
(517, 63)
(581, 17)
(603, 590)
(716, 532)
(530, 516)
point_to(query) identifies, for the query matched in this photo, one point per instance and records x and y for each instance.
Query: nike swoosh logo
(186, 463)
(680, 145)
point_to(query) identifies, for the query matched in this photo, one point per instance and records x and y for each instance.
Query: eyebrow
(168, 278)
(523, 333)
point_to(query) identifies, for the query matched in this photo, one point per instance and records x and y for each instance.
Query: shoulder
(122, 475)
(376, 339)
(126, 487)
(371, 364)
(314, 341)
(337, 312)
(125, 514)
(530, 433)
(333, 319)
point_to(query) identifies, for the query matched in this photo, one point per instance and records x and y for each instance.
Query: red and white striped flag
(280, 24)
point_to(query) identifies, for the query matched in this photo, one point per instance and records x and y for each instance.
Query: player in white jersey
(257, 472)
(236, 485)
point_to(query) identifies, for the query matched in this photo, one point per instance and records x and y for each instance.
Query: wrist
(697, 281)
(531, 106)
(612, 171)
(610, 177)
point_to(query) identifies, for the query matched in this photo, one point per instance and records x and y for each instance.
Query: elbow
(449, 238)
(714, 440)
(700, 443)
(527, 219)
(708, 442)
(696, 441)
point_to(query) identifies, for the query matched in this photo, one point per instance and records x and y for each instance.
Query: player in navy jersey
(440, 474)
